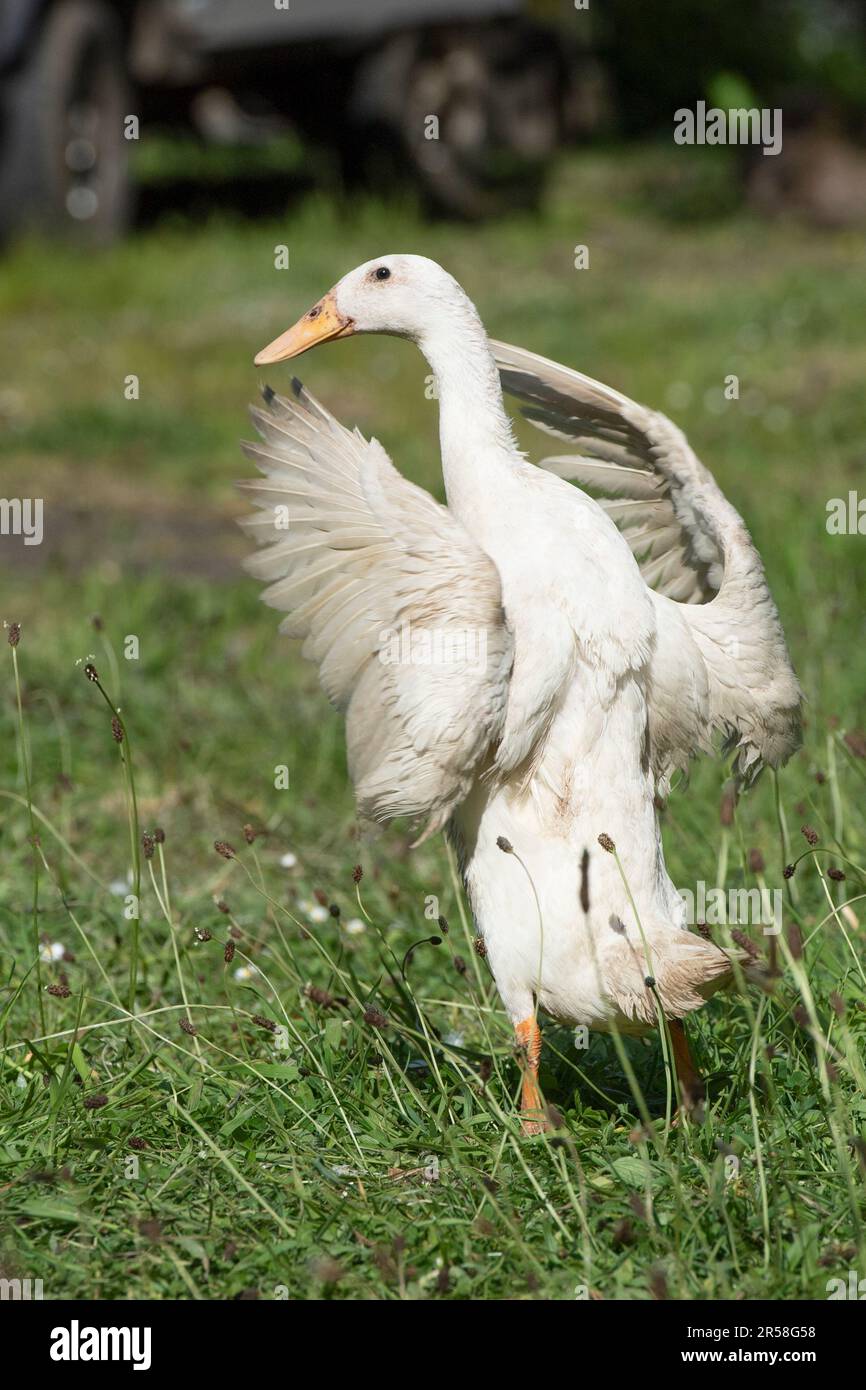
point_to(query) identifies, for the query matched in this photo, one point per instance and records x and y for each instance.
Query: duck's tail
(672, 976)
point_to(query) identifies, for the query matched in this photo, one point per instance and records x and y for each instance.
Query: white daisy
(354, 926)
(314, 912)
(288, 860)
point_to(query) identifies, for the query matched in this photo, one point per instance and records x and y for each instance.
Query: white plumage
(530, 664)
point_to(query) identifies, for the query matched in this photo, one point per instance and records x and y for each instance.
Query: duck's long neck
(475, 437)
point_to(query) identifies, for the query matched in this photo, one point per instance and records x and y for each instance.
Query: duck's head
(402, 295)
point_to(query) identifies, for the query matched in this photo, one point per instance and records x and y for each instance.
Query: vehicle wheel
(475, 116)
(63, 155)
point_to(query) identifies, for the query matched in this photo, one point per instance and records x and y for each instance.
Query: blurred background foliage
(314, 93)
(659, 57)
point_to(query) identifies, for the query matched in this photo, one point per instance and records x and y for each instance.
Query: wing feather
(721, 663)
(395, 603)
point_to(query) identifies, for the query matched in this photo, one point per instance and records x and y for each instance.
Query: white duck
(508, 668)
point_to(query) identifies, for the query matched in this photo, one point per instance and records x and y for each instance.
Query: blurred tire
(63, 155)
(472, 117)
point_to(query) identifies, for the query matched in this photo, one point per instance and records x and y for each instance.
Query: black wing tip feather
(277, 404)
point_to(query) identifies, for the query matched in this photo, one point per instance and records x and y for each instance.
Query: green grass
(337, 1158)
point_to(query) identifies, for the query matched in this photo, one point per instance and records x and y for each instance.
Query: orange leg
(528, 1036)
(691, 1082)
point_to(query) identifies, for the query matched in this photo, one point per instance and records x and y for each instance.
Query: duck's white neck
(475, 436)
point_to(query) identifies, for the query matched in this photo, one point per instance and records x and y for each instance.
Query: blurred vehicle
(466, 96)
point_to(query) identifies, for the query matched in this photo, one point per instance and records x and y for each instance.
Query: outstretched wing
(396, 604)
(721, 663)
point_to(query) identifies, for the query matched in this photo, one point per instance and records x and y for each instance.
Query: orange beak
(320, 324)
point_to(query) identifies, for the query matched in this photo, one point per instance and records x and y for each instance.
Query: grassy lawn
(330, 1113)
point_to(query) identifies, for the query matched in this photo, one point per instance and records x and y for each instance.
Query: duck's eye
(383, 273)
